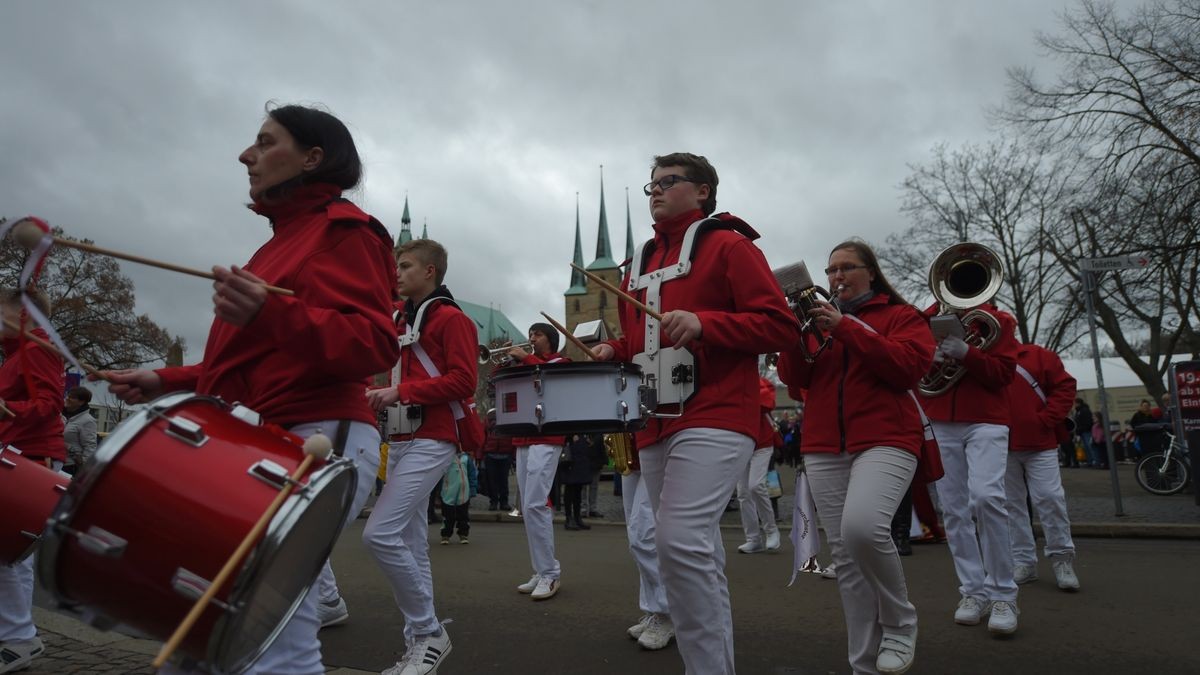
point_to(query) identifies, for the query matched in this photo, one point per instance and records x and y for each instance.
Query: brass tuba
(963, 277)
(622, 451)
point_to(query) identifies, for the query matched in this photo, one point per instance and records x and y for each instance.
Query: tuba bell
(963, 277)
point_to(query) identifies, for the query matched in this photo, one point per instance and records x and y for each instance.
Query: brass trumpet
(802, 295)
(499, 355)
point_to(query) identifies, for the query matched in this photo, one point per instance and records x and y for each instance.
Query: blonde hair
(428, 252)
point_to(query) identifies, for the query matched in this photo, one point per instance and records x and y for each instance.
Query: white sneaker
(969, 612)
(751, 547)
(546, 588)
(426, 655)
(1003, 620)
(528, 586)
(829, 572)
(17, 654)
(1064, 574)
(332, 613)
(635, 631)
(773, 540)
(658, 633)
(896, 653)
(1023, 574)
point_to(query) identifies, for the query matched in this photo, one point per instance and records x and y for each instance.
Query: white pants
(397, 533)
(754, 503)
(639, 527)
(1041, 471)
(536, 465)
(975, 457)
(297, 649)
(16, 601)
(691, 475)
(362, 446)
(856, 496)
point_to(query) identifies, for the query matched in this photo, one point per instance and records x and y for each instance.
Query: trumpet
(499, 356)
(802, 295)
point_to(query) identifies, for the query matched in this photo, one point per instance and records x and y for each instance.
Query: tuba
(621, 449)
(963, 277)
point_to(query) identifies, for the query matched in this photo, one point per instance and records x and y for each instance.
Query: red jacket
(1035, 423)
(37, 429)
(858, 388)
(742, 314)
(450, 339)
(307, 358)
(981, 396)
(765, 438)
(526, 441)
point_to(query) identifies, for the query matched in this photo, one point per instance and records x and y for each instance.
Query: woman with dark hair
(300, 361)
(863, 434)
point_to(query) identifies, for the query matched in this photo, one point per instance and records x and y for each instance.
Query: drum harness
(406, 419)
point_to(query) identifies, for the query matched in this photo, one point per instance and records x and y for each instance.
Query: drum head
(285, 564)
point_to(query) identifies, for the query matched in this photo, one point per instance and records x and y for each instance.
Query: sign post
(1088, 268)
(1185, 394)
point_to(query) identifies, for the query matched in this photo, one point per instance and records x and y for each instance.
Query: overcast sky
(122, 121)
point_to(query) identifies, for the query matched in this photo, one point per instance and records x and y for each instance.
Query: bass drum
(28, 494)
(163, 504)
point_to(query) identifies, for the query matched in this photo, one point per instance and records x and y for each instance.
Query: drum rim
(267, 550)
(78, 489)
(567, 367)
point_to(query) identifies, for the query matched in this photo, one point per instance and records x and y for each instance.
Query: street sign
(1120, 262)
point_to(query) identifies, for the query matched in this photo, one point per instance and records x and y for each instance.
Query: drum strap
(343, 435)
(1037, 388)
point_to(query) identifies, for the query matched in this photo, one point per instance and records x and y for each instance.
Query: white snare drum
(568, 398)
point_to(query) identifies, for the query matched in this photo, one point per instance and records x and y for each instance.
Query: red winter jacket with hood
(37, 429)
(1034, 423)
(307, 358)
(742, 314)
(858, 388)
(981, 396)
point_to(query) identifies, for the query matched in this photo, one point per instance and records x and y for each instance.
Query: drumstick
(48, 346)
(26, 237)
(620, 293)
(317, 445)
(574, 340)
(5, 409)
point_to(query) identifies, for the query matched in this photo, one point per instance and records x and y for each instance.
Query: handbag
(774, 487)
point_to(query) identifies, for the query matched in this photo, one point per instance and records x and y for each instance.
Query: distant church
(586, 300)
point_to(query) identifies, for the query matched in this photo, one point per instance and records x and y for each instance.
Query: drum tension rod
(96, 540)
(192, 586)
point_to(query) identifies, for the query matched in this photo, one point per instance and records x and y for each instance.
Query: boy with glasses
(721, 299)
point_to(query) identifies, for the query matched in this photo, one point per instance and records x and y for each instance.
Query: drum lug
(621, 383)
(540, 413)
(192, 586)
(273, 474)
(98, 541)
(187, 431)
(623, 411)
(246, 415)
(537, 383)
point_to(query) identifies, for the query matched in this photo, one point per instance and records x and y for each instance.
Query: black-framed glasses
(844, 269)
(665, 183)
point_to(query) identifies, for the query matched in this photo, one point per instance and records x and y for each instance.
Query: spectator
(80, 429)
(458, 486)
(1147, 429)
(1099, 442)
(498, 453)
(583, 452)
(1083, 429)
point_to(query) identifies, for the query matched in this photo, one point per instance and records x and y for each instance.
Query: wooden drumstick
(574, 340)
(620, 293)
(317, 445)
(48, 346)
(28, 235)
(6, 410)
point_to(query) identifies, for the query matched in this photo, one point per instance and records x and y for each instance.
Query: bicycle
(1166, 472)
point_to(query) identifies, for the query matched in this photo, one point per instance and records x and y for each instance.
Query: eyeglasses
(665, 183)
(844, 269)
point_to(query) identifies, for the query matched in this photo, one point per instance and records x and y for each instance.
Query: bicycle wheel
(1161, 476)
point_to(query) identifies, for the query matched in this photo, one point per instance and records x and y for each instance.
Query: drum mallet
(28, 235)
(317, 446)
(574, 340)
(620, 293)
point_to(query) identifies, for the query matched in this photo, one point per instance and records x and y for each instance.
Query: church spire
(628, 229)
(405, 225)
(578, 281)
(603, 259)
(424, 228)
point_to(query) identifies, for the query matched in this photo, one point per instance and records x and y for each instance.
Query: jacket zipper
(841, 394)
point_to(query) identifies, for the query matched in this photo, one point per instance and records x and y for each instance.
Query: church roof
(604, 259)
(578, 281)
(491, 323)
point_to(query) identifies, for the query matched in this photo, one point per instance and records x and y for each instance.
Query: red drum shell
(179, 506)
(28, 494)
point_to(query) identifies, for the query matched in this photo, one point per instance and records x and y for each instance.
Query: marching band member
(1041, 397)
(435, 377)
(300, 361)
(970, 421)
(537, 462)
(758, 518)
(31, 385)
(862, 437)
(725, 308)
(654, 630)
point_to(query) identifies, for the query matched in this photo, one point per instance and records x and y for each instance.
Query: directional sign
(1120, 262)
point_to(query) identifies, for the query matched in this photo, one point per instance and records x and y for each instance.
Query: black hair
(313, 128)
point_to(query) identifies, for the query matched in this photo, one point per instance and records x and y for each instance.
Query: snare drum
(568, 398)
(28, 493)
(163, 504)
